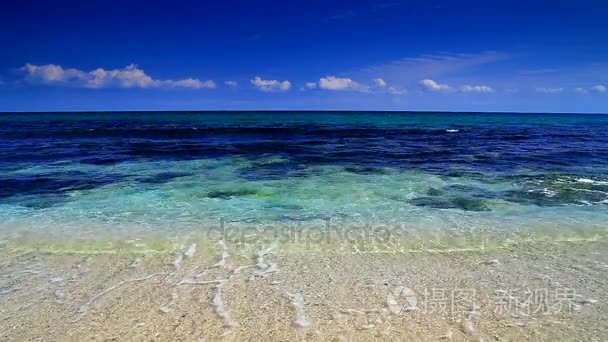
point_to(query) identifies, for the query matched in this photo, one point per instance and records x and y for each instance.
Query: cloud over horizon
(270, 85)
(433, 86)
(599, 88)
(545, 90)
(130, 76)
(133, 76)
(477, 89)
(340, 83)
(381, 83)
(231, 84)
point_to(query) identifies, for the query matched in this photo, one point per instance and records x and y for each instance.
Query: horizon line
(203, 111)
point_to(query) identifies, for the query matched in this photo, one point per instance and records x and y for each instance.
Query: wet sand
(207, 290)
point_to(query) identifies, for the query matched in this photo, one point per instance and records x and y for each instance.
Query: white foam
(586, 301)
(177, 263)
(264, 269)
(469, 326)
(191, 251)
(220, 309)
(548, 192)
(238, 269)
(352, 311)
(202, 274)
(225, 255)
(452, 130)
(7, 291)
(272, 268)
(591, 181)
(165, 309)
(190, 281)
(218, 301)
(85, 307)
(29, 272)
(59, 295)
(136, 262)
(297, 301)
(55, 280)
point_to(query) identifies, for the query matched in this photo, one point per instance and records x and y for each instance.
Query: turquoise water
(75, 172)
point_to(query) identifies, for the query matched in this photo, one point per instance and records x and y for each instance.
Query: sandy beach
(201, 289)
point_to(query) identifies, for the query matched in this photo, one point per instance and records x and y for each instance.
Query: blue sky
(539, 56)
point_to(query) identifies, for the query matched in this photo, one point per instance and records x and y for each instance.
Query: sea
(86, 174)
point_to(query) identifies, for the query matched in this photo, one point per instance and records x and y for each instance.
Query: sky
(418, 55)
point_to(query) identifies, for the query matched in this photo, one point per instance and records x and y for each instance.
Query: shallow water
(69, 172)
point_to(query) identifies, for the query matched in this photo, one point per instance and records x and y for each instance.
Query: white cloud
(340, 83)
(188, 83)
(433, 86)
(477, 89)
(596, 88)
(381, 86)
(129, 77)
(380, 82)
(232, 84)
(311, 85)
(52, 73)
(270, 85)
(396, 91)
(549, 90)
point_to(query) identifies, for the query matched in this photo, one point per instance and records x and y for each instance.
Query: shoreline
(209, 290)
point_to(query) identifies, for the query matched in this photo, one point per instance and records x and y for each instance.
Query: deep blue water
(264, 164)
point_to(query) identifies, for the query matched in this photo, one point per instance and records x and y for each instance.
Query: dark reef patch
(52, 183)
(228, 194)
(164, 177)
(367, 170)
(462, 203)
